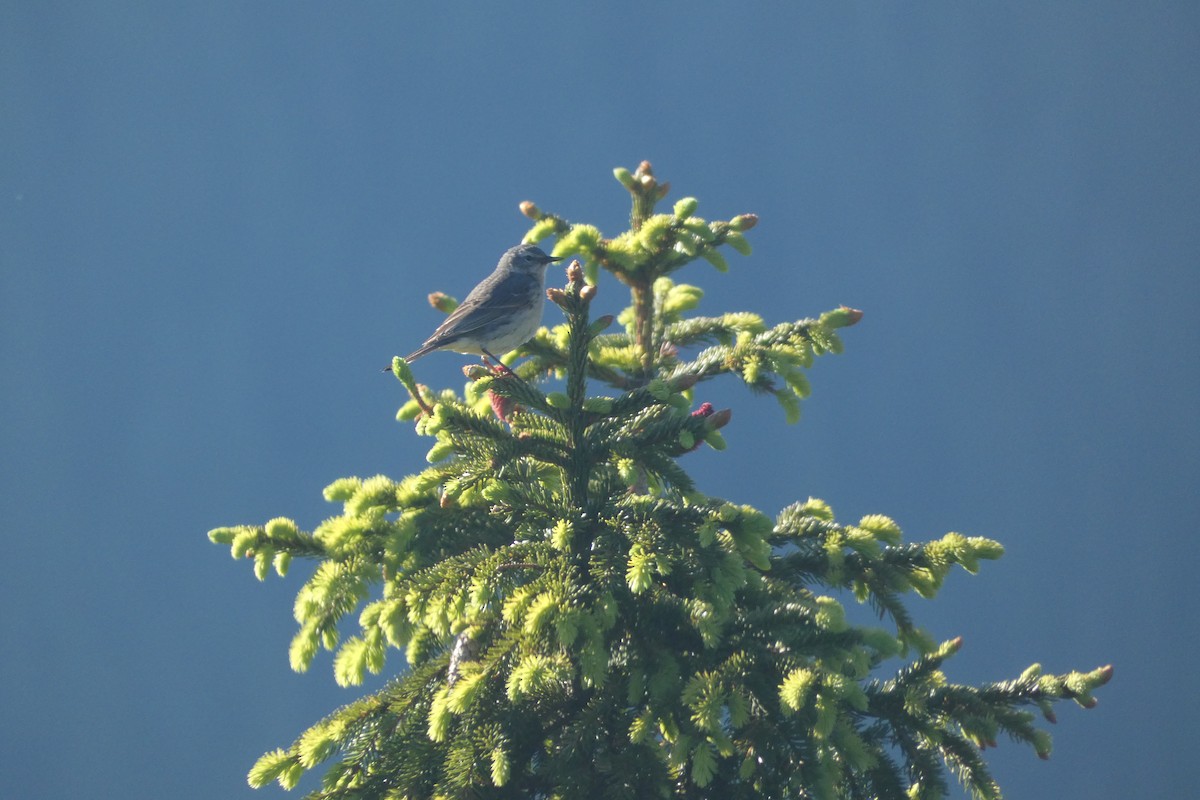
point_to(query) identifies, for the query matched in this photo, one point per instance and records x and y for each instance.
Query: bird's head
(527, 258)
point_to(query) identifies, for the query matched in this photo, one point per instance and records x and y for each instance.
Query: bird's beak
(552, 259)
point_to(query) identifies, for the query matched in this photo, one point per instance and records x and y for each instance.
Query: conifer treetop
(579, 620)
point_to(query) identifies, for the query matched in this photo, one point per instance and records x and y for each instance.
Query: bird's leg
(499, 366)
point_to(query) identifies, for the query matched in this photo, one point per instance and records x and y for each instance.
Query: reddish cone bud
(502, 406)
(705, 410)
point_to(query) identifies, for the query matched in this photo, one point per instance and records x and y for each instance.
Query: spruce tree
(579, 621)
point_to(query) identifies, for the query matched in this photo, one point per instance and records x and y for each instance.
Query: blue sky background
(218, 220)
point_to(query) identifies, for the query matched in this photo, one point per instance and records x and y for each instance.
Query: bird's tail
(414, 355)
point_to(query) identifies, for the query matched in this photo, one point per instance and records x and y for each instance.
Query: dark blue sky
(218, 220)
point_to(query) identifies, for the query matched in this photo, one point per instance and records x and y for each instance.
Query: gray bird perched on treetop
(503, 311)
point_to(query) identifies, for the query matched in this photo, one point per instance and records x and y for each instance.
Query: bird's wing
(471, 317)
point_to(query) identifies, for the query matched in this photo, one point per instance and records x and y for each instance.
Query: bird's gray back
(499, 295)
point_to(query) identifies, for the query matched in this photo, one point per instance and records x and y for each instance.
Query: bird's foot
(499, 367)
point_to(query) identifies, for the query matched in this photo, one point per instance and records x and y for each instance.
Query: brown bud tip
(956, 644)
(443, 302)
(250, 552)
(1089, 702)
(644, 168)
(1050, 716)
(446, 501)
(556, 296)
(602, 323)
(530, 210)
(1106, 673)
(1044, 756)
(841, 317)
(720, 419)
(575, 272)
(588, 292)
(684, 382)
(476, 371)
(744, 222)
(663, 188)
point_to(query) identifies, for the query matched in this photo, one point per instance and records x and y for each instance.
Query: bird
(502, 312)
